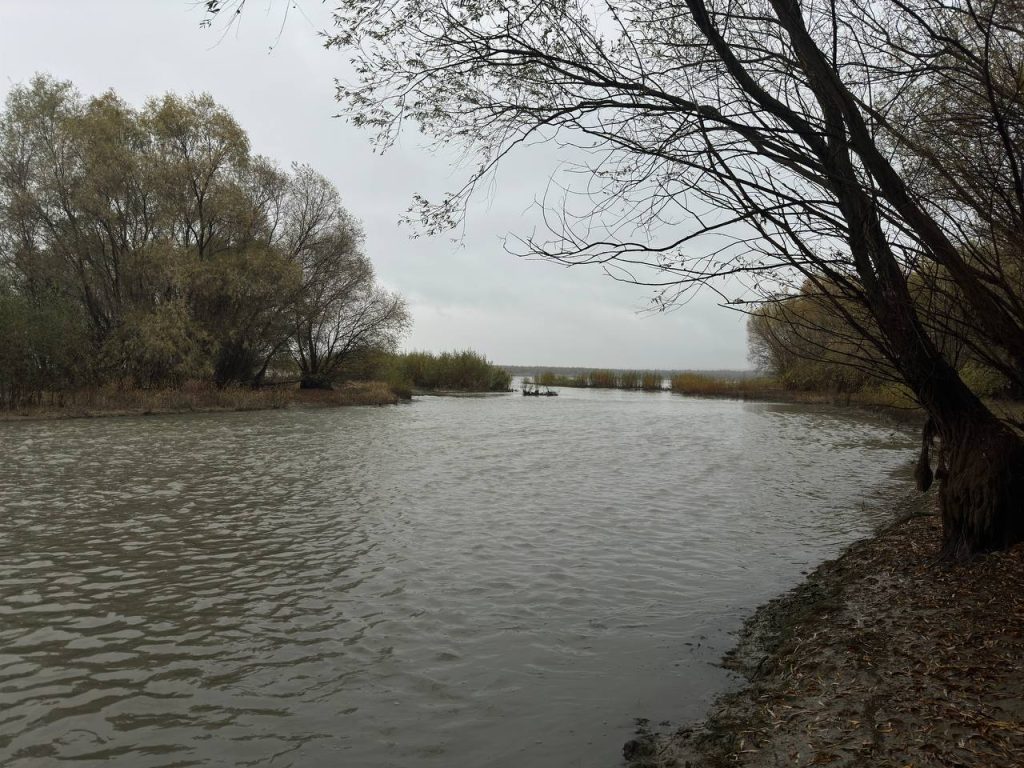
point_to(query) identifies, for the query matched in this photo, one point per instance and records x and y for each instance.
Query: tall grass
(888, 396)
(552, 379)
(712, 386)
(348, 393)
(603, 379)
(650, 382)
(464, 371)
(629, 380)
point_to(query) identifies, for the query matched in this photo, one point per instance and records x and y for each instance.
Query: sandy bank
(883, 657)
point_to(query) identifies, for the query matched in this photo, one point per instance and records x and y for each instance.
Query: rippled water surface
(498, 581)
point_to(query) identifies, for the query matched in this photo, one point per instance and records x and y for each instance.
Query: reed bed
(348, 393)
(887, 396)
(711, 386)
(602, 379)
(552, 379)
(464, 371)
(650, 381)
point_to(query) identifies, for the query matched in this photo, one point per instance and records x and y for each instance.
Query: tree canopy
(162, 249)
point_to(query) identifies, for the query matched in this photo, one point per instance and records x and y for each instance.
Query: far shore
(456, 393)
(892, 402)
(738, 387)
(104, 401)
(883, 657)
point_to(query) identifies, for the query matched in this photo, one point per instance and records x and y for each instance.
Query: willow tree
(340, 310)
(769, 141)
(177, 252)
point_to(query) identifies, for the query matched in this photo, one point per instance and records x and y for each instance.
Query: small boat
(532, 390)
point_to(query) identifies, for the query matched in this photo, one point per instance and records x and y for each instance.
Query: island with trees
(150, 261)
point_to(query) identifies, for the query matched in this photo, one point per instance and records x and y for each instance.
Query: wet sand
(883, 657)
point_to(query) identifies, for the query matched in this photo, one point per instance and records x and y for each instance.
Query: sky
(278, 82)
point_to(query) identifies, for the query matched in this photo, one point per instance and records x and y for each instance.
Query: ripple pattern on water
(486, 582)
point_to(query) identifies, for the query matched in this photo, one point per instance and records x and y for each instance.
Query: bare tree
(797, 117)
(340, 309)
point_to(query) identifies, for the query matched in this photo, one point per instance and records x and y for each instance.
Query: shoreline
(108, 402)
(881, 657)
(754, 390)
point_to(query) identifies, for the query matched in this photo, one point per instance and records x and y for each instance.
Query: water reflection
(493, 581)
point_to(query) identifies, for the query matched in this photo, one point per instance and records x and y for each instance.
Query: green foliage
(42, 346)
(886, 394)
(464, 371)
(713, 386)
(805, 343)
(984, 380)
(242, 299)
(812, 341)
(603, 379)
(177, 253)
(159, 347)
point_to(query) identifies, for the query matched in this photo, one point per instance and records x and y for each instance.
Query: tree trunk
(981, 460)
(315, 381)
(981, 492)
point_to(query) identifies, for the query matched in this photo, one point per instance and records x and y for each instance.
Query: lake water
(494, 581)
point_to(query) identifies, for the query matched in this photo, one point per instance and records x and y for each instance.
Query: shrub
(464, 371)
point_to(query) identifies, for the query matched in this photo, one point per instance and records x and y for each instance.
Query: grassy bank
(883, 657)
(195, 398)
(767, 388)
(373, 378)
(738, 386)
(650, 381)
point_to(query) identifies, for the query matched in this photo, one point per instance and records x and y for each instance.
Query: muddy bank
(883, 657)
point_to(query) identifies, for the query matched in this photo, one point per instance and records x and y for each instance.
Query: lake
(482, 581)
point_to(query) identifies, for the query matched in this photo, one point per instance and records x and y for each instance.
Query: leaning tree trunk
(980, 464)
(981, 459)
(981, 490)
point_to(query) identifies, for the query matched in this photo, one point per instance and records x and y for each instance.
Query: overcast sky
(278, 83)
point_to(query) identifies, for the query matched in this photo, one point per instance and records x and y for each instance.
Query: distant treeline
(806, 344)
(705, 383)
(573, 372)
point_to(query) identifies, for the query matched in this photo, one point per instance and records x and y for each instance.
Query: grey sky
(468, 295)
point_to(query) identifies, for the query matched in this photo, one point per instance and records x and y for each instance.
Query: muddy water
(498, 581)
